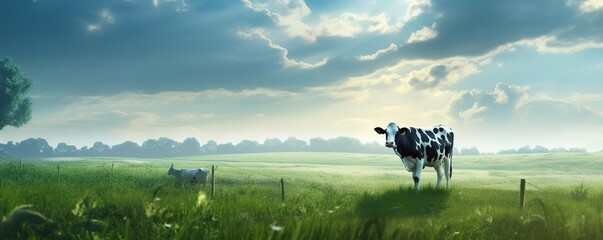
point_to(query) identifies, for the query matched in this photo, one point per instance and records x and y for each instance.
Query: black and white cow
(420, 147)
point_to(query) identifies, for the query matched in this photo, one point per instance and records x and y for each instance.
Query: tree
(64, 150)
(248, 146)
(15, 107)
(34, 147)
(294, 144)
(190, 147)
(272, 145)
(210, 147)
(126, 149)
(99, 149)
(469, 151)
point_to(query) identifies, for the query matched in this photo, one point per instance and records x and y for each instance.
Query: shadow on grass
(403, 202)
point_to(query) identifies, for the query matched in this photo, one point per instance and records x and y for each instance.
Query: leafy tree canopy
(15, 107)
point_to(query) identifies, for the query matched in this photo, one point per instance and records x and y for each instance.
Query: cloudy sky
(502, 74)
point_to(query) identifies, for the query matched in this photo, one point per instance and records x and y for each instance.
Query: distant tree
(162, 147)
(247, 146)
(226, 148)
(344, 144)
(470, 151)
(375, 147)
(456, 151)
(15, 107)
(126, 149)
(8, 148)
(507, 151)
(99, 149)
(294, 144)
(524, 149)
(33, 147)
(189, 147)
(577, 150)
(562, 149)
(64, 150)
(318, 145)
(540, 149)
(83, 151)
(272, 145)
(210, 147)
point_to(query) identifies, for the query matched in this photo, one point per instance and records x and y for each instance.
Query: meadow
(327, 196)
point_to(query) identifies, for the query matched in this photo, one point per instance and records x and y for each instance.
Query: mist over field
(301, 196)
(165, 147)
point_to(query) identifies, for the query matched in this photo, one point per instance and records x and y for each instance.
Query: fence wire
(537, 187)
(250, 171)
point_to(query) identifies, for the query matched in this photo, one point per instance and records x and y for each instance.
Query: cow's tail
(451, 151)
(451, 164)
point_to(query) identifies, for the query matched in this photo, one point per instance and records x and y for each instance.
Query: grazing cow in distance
(420, 147)
(189, 176)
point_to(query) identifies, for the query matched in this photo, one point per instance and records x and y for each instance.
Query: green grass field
(327, 196)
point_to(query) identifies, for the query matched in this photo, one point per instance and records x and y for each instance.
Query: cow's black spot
(424, 137)
(430, 134)
(416, 179)
(406, 143)
(435, 130)
(413, 131)
(432, 151)
(442, 143)
(441, 129)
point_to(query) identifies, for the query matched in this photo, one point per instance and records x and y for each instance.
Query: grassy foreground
(327, 196)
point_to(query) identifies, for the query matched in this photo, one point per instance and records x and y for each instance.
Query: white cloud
(550, 44)
(182, 5)
(591, 5)
(286, 61)
(422, 35)
(144, 118)
(472, 114)
(392, 47)
(294, 17)
(105, 17)
(190, 116)
(446, 71)
(415, 8)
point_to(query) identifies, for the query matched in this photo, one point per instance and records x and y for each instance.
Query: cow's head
(171, 170)
(390, 134)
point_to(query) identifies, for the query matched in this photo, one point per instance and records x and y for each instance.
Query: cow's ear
(403, 131)
(172, 166)
(379, 130)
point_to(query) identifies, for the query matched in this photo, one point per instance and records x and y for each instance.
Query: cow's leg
(440, 174)
(417, 173)
(447, 171)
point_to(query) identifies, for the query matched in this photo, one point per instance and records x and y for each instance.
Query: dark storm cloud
(151, 49)
(145, 49)
(473, 27)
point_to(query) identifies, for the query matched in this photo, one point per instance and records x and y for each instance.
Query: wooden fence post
(112, 170)
(20, 165)
(522, 193)
(282, 189)
(213, 181)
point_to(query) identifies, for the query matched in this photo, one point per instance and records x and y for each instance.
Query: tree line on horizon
(166, 147)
